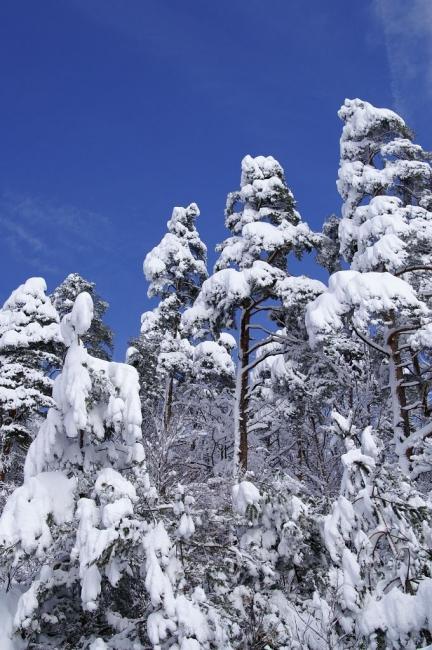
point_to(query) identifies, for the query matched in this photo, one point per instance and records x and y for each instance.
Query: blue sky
(114, 111)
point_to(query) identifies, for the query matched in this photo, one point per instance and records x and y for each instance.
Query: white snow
(25, 517)
(360, 117)
(227, 340)
(398, 613)
(90, 543)
(112, 482)
(364, 295)
(245, 494)
(8, 605)
(178, 255)
(71, 417)
(210, 357)
(98, 644)
(28, 316)
(225, 290)
(78, 321)
(385, 234)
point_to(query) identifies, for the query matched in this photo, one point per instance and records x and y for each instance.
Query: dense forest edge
(257, 474)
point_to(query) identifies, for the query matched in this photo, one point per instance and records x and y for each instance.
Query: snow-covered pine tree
(64, 528)
(143, 354)
(296, 392)
(74, 551)
(265, 228)
(29, 336)
(175, 270)
(99, 338)
(386, 184)
(174, 371)
(362, 302)
(279, 562)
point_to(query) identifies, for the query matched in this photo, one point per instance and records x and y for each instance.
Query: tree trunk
(168, 402)
(242, 397)
(423, 386)
(5, 453)
(401, 421)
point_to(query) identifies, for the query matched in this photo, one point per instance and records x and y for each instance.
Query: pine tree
(196, 437)
(93, 558)
(175, 269)
(265, 228)
(297, 390)
(29, 336)
(99, 339)
(385, 181)
(90, 434)
(179, 376)
(328, 246)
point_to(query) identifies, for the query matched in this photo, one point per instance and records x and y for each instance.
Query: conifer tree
(189, 379)
(29, 336)
(385, 181)
(297, 390)
(265, 228)
(93, 557)
(175, 269)
(99, 338)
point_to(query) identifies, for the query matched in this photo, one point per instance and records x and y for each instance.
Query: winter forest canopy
(257, 473)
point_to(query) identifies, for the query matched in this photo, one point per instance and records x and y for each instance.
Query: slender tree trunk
(423, 387)
(401, 422)
(5, 453)
(6, 447)
(242, 397)
(168, 402)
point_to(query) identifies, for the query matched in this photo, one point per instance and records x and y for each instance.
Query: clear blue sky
(114, 111)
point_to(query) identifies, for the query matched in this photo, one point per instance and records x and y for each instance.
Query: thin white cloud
(46, 234)
(407, 29)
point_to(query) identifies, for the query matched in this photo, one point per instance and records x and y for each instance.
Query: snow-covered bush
(378, 535)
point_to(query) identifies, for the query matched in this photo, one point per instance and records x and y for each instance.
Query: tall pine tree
(175, 269)
(29, 339)
(265, 229)
(385, 181)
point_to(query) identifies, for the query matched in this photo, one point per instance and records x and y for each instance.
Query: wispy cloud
(46, 234)
(407, 29)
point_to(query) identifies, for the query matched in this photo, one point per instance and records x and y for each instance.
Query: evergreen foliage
(29, 335)
(99, 340)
